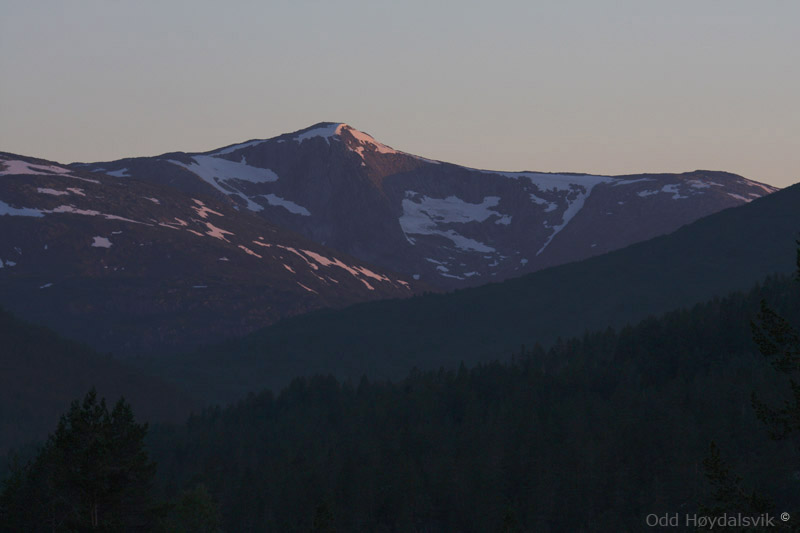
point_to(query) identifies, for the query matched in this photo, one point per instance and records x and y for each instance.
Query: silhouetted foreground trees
(779, 342)
(92, 474)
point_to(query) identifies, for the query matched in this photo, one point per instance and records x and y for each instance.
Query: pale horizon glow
(574, 86)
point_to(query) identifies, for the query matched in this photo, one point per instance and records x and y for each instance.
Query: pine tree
(778, 341)
(195, 511)
(92, 474)
(729, 494)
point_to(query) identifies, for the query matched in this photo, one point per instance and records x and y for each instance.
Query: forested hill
(41, 373)
(731, 250)
(591, 435)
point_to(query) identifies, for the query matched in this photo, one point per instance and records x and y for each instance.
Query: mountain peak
(356, 140)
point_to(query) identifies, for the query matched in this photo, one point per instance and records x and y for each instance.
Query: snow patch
(366, 140)
(211, 169)
(203, 211)
(306, 288)
(326, 132)
(672, 188)
(766, 188)
(216, 171)
(370, 274)
(556, 182)
(574, 205)
(84, 179)
(617, 182)
(46, 285)
(16, 166)
(423, 217)
(248, 251)
(101, 242)
(217, 233)
(739, 197)
(71, 209)
(234, 147)
(286, 204)
(551, 206)
(121, 173)
(356, 271)
(6, 209)
(52, 192)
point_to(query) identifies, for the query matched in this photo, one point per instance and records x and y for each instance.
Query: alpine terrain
(445, 224)
(130, 266)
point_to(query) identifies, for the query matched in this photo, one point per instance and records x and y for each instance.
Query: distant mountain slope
(131, 266)
(731, 250)
(445, 224)
(41, 373)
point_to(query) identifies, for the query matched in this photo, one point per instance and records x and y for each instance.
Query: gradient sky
(583, 86)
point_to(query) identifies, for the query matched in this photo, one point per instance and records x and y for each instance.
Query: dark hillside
(41, 373)
(731, 250)
(592, 435)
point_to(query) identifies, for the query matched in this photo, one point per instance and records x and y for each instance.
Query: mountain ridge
(449, 225)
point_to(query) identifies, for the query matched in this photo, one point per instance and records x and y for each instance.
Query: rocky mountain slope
(445, 224)
(132, 267)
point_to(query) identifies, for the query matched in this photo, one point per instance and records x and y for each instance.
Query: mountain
(728, 251)
(445, 224)
(132, 267)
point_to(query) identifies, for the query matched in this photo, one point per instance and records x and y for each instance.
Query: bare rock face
(446, 225)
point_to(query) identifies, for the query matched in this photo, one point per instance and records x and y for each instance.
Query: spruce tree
(92, 474)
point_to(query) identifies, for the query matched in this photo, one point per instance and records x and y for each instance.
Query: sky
(616, 87)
